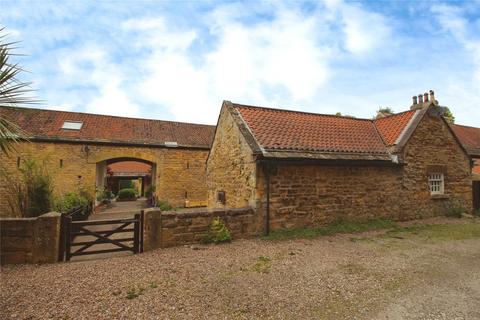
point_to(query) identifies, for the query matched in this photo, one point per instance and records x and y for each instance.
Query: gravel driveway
(417, 273)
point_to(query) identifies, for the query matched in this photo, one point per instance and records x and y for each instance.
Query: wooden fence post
(136, 233)
(142, 229)
(61, 245)
(68, 237)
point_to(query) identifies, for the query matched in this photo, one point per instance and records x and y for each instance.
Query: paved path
(119, 210)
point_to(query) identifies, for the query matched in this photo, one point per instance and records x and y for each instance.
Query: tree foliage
(385, 110)
(448, 115)
(339, 114)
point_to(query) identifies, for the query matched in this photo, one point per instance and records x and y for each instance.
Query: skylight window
(72, 125)
(171, 144)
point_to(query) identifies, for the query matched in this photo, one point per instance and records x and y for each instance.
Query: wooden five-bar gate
(77, 237)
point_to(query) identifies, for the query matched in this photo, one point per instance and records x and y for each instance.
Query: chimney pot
(425, 97)
(432, 96)
(414, 98)
(420, 98)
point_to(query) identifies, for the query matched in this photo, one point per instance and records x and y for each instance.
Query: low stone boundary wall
(168, 229)
(37, 240)
(30, 240)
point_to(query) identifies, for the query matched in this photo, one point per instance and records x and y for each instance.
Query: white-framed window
(435, 183)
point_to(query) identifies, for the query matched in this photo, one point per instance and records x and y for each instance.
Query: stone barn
(470, 139)
(77, 148)
(299, 169)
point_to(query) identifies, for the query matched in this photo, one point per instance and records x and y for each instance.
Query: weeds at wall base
(339, 226)
(391, 228)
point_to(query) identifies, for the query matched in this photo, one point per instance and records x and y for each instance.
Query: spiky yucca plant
(13, 93)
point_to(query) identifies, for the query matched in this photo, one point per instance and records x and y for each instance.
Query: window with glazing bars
(435, 183)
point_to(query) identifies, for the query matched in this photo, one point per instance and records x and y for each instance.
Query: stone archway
(102, 176)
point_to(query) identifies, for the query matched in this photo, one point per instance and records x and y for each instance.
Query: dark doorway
(476, 195)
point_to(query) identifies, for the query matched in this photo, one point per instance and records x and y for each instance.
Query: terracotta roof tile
(469, 137)
(48, 124)
(392, 126)
(276, 129)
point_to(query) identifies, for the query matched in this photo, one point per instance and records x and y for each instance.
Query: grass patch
(437, 232)
(134, 293)
(262, 265)
(339, 226)
(164, 205)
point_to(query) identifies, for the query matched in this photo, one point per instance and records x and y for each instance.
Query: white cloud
(156, 34)
(256, 63)
(363, 30)
(452, 20)
(463, 97)
(90, 66)
(283, 60)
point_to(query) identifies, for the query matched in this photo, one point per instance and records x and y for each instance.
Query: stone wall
(168, 229)
(30, 240)
(313, 194)
(230, 166)
(433, 147)
(180, 173)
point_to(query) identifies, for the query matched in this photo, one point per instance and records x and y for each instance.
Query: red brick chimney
(423, 100)
(432, 97)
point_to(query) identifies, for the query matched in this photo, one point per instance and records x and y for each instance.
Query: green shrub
(454, 208)
(164, 205)
(101, 196)
(70, 201)
(126, 184)
(218, 232)
(40, 195)
(28, 194)
(149, 191)
(104, 195)
(127, 193)
(477, 212)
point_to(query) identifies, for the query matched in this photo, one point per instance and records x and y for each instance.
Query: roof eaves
(474, 152)
(327, 155)
(113, 142)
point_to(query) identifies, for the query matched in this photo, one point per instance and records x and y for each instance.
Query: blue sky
(179, 60)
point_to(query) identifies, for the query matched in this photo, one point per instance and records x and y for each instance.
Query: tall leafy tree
(13, 93)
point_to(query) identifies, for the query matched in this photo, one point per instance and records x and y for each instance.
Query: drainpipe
(267, 182)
